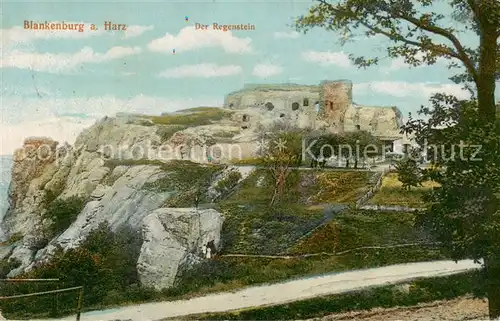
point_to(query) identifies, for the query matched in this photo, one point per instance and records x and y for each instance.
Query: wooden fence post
(80, 303)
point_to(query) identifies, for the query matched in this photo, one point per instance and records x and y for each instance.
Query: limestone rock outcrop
(174, 238)
(111, 167)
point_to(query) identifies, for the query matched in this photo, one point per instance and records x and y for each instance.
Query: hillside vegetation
(393, 193)
(302, 223)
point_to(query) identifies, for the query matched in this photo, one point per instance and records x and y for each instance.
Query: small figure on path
(211, 246)
(196, 199)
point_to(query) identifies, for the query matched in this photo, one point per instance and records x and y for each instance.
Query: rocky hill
(116, 173)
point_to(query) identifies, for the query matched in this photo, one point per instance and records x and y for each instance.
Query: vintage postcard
(250, 160)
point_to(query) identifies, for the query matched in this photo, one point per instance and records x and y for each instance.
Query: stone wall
(283, 97)
(336, 99)
(381, 121)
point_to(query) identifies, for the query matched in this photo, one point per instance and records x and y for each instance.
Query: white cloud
(62, 62)
(59, 129)
(287, 35)
(24, 117)
(402, 89)
(266, 70)
(326, 58)
(190, 39)
(18, 36)
(201, 71)
(136, 31)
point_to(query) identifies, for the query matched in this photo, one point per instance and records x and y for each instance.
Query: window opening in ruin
(246, 118)
(231, 105)
(244, 127)
(306, 102)
(282, 115)
(358, 127)
(269, 106)
(295, 106)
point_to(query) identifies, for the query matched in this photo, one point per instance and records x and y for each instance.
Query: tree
(414, 28)
(280, 160)
(464, 210)
(322, 147)
(363, 145)
(408, 171)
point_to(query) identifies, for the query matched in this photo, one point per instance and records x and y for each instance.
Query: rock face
(99, 169)
(173, 238)
(33, 167)
(113, 164)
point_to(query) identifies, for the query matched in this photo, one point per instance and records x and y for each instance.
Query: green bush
(62, 213)
(166, 132)
(8, 265)
(186, 179)
(105, 264)
(12, 239)
(226, 185)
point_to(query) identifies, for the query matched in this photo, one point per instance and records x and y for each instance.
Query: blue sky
(56, 83)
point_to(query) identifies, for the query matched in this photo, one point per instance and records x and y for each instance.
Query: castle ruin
(327, 106)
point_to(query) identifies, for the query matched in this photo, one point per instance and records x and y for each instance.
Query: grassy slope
(251, 226)
(193, 117)
(392, 193)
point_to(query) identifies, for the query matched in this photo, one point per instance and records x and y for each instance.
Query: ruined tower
(336, 97)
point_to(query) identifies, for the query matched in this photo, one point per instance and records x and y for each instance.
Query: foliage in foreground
(464, 211)
(105, 264)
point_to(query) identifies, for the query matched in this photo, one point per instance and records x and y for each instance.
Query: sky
(55, 83)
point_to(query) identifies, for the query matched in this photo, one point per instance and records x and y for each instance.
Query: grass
(232, 273)
(167, 131)
(199, 109)
(113, 163)
(185, 179)
(248, 161)
(13, 239)
(420, 291)
(336, 187)
(196, 117)
(392, 193)
(359, 228)
(252, 226)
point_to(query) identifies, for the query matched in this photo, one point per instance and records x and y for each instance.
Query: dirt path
(460, 309)
(280, 293)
